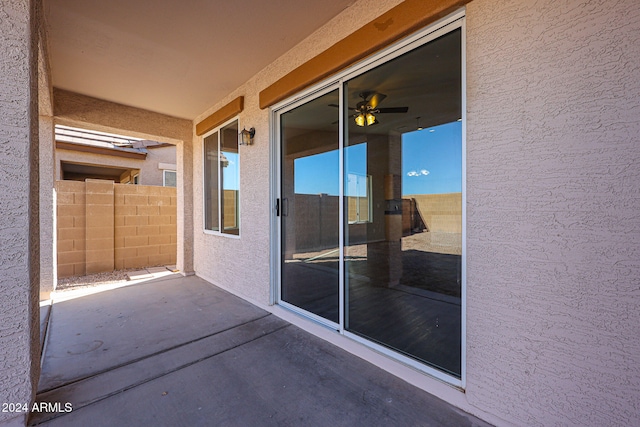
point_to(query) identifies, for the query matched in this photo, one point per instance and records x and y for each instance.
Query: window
(136, 179)
(169, 178)
(358, 195)
(357, 190)
(222, 180)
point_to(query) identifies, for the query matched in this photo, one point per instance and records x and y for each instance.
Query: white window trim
(369, 204)
(432, 32)
(202, 157)
(164, 177)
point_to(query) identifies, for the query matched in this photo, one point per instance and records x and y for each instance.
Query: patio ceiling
(172, 57)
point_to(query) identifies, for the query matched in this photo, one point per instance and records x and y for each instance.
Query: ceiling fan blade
(376, 99)
(393, 110)
(349, 117)
(337, 106)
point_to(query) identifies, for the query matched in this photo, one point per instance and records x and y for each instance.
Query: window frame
(219, 232)
(164, 177)
(369, 196)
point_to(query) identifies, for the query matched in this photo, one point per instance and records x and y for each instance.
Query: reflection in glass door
(403, 262)
(401, 200)
(310, 206)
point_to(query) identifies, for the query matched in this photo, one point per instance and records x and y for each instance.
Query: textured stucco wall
(150, 174)
(19, 235)
(73, 109)
(553, 179)
(553, 237)
(242, 265)
(48, 270)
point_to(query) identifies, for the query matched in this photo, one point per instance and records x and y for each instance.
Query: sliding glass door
(371, 204)
(309, 207)
(403, 262)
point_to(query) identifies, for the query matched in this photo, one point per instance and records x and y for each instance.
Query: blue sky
(432, 160)
(230, 172)
(431, 164)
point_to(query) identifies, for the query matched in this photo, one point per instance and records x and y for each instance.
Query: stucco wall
(553, 237)
(243, 264)
(19, 205)
(150, 174)
(48, 269)
(553, 242)
(48, 272)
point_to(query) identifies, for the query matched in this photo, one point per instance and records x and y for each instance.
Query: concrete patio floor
(178, 351)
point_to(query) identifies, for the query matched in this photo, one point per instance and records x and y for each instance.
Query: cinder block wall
(440, 212)
(99, 209)
(71, 222)
(145, 226)
(104, 226)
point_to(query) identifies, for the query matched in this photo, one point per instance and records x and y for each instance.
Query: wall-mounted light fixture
(246, 136)
(418, 123)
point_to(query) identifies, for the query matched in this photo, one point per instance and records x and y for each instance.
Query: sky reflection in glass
(431, 164)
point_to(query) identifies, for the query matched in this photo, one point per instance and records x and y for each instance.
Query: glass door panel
(230, 179)
(309, 206)
(211, 162)
(403, 204)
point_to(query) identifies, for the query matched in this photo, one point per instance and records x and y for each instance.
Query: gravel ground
(92, 280)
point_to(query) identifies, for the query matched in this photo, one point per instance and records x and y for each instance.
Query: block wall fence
(104, 226)
(316, 227)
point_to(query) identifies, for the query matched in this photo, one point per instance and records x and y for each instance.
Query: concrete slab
(287, 377)
(99, 332)
(139, 274)
(181, 352)
(155, 270)
(84, 392)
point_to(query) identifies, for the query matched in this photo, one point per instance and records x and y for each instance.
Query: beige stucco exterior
(19, 206)
(250, 254)
(552, 237)
(552, 245)
(552, 202)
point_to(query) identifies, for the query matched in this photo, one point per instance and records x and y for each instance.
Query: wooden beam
(227, 112)
(404, 19)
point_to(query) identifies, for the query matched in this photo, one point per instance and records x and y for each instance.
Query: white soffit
(173, 57)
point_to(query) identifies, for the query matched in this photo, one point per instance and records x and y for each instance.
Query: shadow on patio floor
(178, 351)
